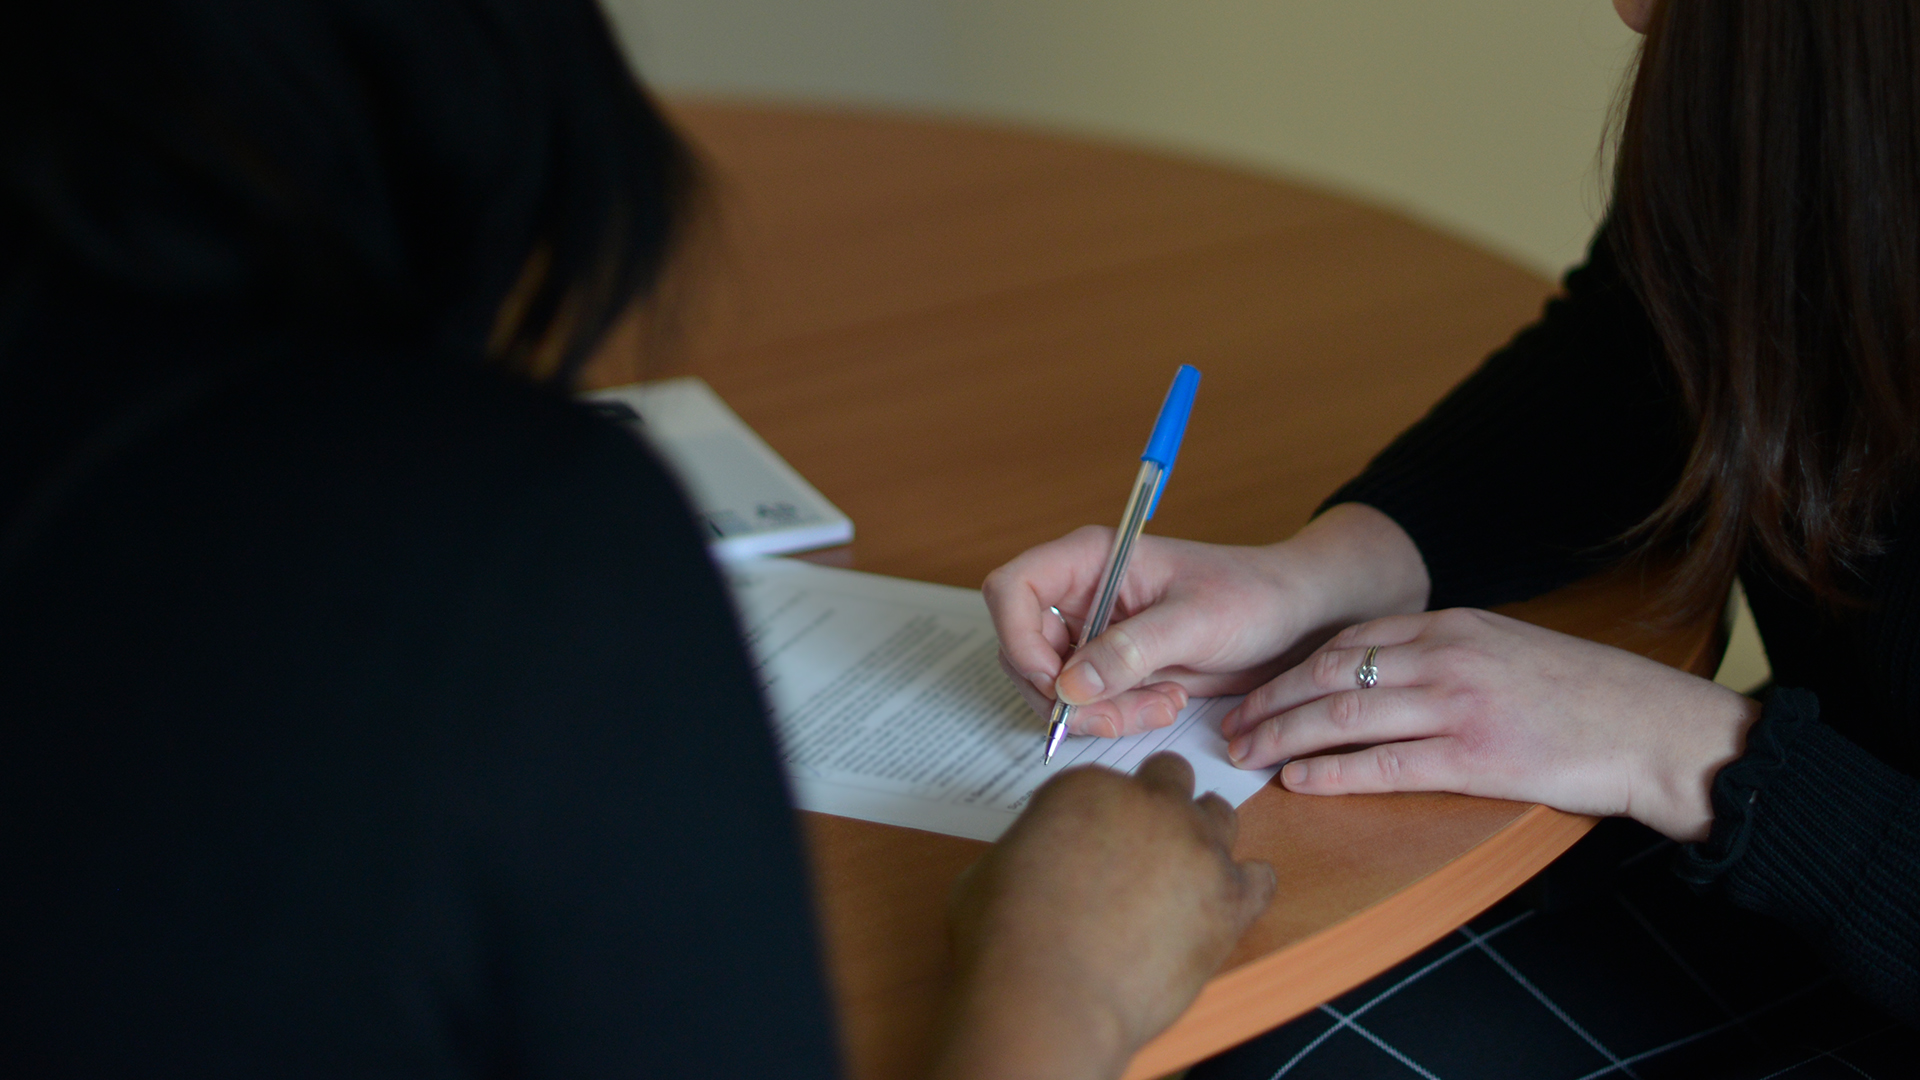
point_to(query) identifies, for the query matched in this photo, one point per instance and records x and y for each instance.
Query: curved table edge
(1281, 985)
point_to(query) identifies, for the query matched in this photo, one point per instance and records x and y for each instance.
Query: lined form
(889, 704)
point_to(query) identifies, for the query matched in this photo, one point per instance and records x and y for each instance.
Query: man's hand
(1094, 922)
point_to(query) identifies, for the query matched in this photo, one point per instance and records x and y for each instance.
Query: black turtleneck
(382, 719)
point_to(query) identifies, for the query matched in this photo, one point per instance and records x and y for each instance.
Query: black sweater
(1517, 482)
(381, 720)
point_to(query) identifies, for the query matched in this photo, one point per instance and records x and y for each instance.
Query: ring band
(1367, 674)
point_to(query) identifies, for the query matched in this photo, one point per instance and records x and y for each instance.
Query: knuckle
(1471, 620)
(1471, 700)
(1327, 772)
(1345, 710)
(1390, 764)
(1096, 535)
(1127, 649)
(1266, 736)
(1256, 703)
(1450, 659)
(1469, 726)
(1089, 788)
(1327, 667)
(1462, 663)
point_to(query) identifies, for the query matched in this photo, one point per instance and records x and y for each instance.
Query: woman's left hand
(1482, 704)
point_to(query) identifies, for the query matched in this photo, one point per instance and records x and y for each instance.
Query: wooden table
(960, 333)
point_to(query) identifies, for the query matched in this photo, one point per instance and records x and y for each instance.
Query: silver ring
(1057, 615)
(1367, 674)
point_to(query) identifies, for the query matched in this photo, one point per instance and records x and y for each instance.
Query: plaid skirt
(1606, 965)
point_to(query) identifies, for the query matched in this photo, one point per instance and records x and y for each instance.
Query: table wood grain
(959, 333)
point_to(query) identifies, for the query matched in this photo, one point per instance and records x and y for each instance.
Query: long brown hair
(1767, 211)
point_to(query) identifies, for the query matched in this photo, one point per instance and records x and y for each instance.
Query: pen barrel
(1121, 553)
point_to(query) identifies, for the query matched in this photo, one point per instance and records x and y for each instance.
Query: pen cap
(1163, 446)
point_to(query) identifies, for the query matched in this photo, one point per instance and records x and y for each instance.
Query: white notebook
(750, 502)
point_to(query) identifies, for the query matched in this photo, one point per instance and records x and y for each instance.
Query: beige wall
(884, 52)
(1481, 116)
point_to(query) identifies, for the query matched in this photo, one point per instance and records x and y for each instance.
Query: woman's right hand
(1093, 924)
(1199, 619)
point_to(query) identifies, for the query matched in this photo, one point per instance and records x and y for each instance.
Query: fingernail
(1043, 683)
(1237, 749)
(1080, 684)
(1293, 773)
(1180, 693)
(1158, 715)
(1098, 725)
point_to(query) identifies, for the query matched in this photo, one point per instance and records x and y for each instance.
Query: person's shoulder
(1600, 274)
(489, 419)
(1597, 312)
(456, 442)
(400, 483)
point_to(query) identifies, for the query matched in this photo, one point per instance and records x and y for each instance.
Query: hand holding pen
(1156, 464)
(1193, 618)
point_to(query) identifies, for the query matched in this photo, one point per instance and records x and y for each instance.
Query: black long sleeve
(388, 720)
(1815, 831)
(1525, 477)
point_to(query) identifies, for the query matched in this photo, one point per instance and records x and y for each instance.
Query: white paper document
(890, 705)
(749, 500)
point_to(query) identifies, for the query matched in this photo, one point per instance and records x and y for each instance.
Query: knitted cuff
(1739, 786)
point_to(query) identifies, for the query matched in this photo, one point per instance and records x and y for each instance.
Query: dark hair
(1767, 211)
(473, 179)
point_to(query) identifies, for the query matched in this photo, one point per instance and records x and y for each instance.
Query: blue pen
(1156, 464)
